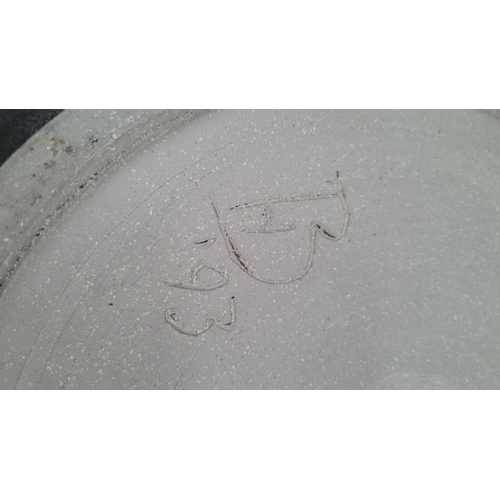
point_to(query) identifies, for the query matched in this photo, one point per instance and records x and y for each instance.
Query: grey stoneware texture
(253, 250)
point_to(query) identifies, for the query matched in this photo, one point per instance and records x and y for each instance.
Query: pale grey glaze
(409, 297)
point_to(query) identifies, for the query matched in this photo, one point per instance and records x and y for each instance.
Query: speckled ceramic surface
(272, 249)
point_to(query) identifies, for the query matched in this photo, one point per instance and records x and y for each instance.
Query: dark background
(18, 125)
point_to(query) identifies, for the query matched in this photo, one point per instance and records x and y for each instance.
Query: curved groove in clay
(193, 284)
(171, 318)
(205, 243)
(315, 227)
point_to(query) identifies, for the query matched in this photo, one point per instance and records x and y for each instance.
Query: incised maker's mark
(235, 254)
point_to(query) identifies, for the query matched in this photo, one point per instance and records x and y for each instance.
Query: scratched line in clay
(285, 199)
(315, 227)
(269, 226)
(193, 283)
(171, 318)
(205, 243)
